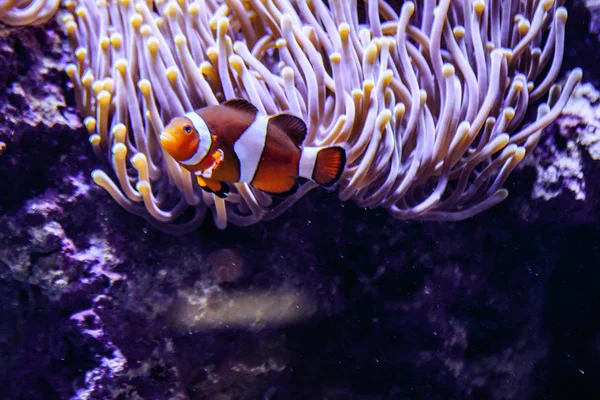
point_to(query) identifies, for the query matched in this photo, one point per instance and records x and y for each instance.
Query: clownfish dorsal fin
(242, 105)
(293, 126)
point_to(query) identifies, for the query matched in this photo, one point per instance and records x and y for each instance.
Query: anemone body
(429, 99)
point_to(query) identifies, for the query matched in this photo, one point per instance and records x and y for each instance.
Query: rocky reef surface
(328, 301)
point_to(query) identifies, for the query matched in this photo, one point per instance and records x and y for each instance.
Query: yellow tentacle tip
(70, 5)
(448, 70)
(344, 30)
(371, 53)
(479, 6)
(136, 21)
(562, 14)
(95, 140)
(518, 85)
(90, 125)
(81, 12)
(108, 84)
(145, 87)
(103, 98)
(119, 151)
(119, 132)
(121, 66)
(153, 45)
(81, 53)
(104, 42)
(180, 40)
(70, 28)
(139, 7)
(139, 161)
(206, 68)
(509, 113)
(170, 9)
(87, 80)
(236, 63)
(145, 30)
(116, 40)
(99, 177)
(523, 26)
(223, 25)
(501, 141)
(399, 110)
(71, 71)
(383, 118)
(213, 54)
(519, 154)
(459, 32)
(97, 87)
(386, 77)
(172, 74)
(547, 4)
(288, 74)
(143, 187)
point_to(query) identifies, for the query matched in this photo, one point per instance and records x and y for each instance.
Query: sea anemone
(429, 102)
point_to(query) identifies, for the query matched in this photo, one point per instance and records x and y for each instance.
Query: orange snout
(168, 142)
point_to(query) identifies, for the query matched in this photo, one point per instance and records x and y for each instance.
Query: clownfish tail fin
(329, 163)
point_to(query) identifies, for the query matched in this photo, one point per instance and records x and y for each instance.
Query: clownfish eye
(187, 129)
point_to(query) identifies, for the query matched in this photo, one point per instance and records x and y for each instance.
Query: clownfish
(234, 142)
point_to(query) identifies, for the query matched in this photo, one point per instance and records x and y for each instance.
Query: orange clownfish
(233, 142)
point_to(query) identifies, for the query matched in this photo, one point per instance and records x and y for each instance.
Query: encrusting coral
(429, 102)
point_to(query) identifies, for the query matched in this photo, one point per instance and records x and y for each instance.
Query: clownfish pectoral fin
(218, 188)
(241, 104)
(293, 126)
(216, 158)
(281, 187)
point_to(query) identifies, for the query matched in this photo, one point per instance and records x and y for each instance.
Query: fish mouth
(168, 141)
